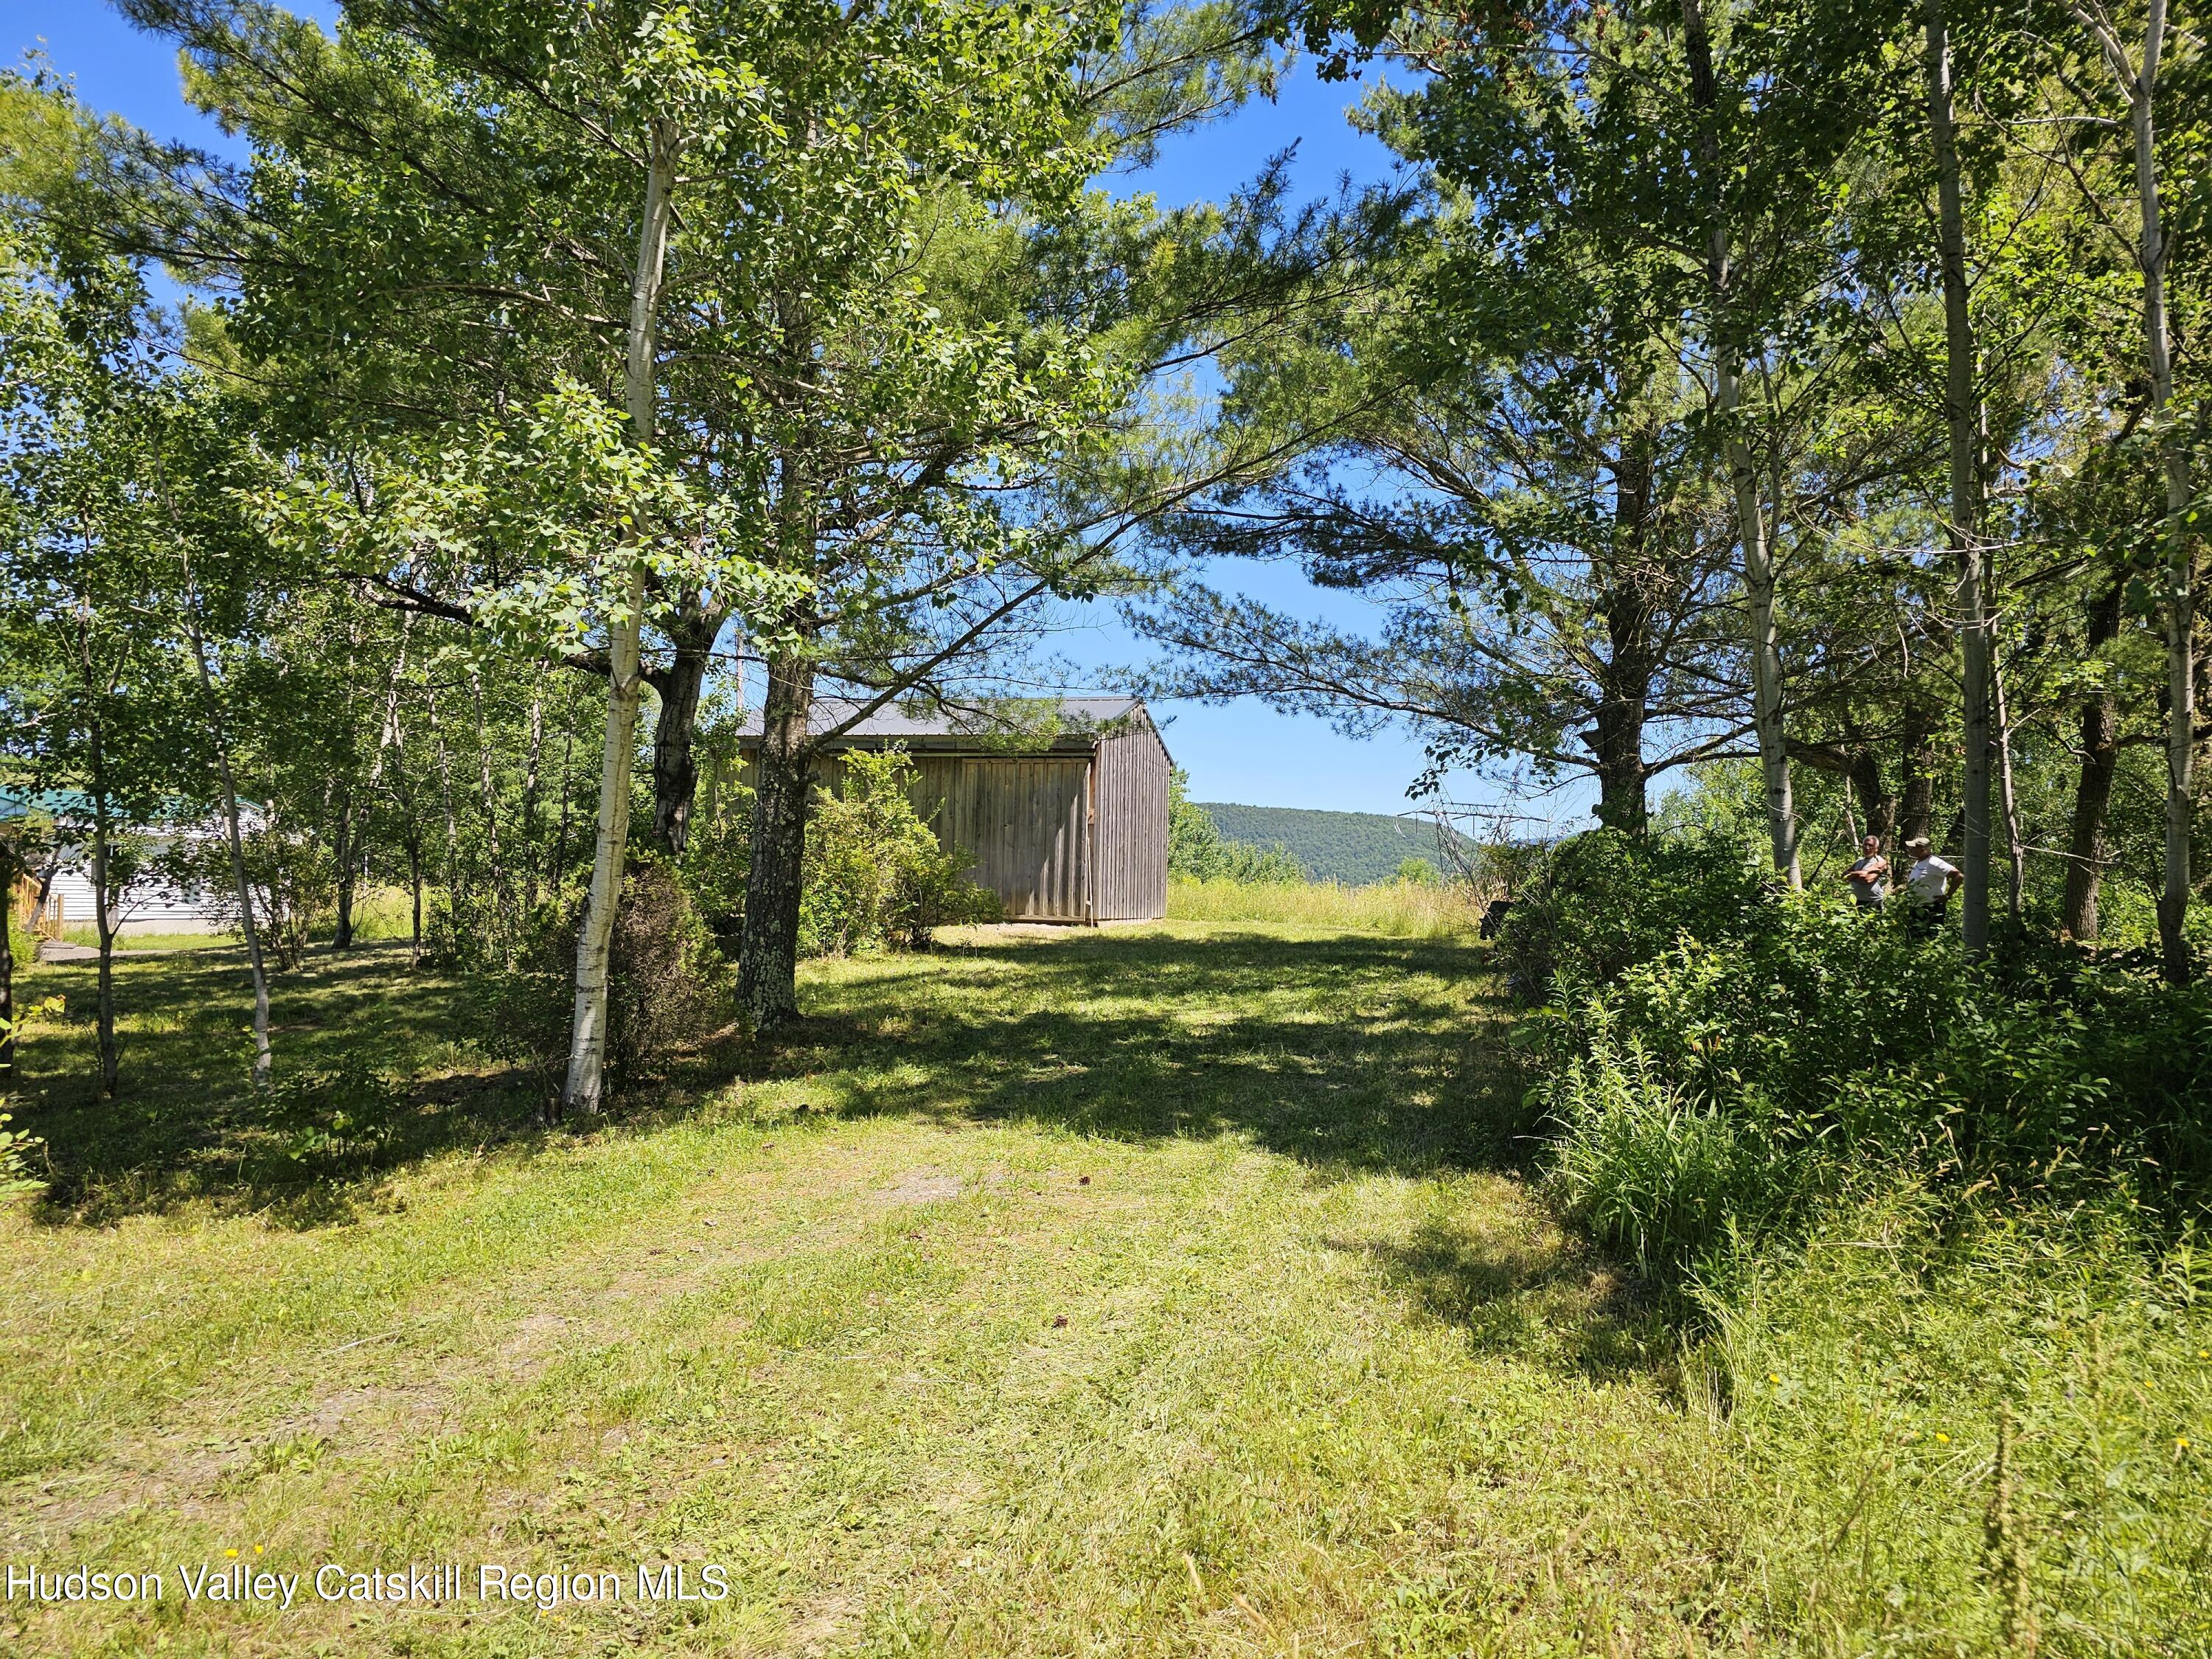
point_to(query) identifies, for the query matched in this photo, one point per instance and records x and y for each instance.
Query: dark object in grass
(1493, 917)
(667, 986)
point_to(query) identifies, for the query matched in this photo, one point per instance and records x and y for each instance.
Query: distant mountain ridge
(1352, 847)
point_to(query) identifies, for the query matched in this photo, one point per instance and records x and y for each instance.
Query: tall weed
(1963, 1432)
(1848, 1052)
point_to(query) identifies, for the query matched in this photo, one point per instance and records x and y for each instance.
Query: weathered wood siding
(1027, 820)
(1079, 833)
(1131, 828)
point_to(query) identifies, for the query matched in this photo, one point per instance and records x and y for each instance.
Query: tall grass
(380, 912)
(1401, 909)
(1975, 1432)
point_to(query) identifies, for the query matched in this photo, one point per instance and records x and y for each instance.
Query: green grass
(1390, 909)
(1983, 1434)
(1159, 1291)
(83, 933)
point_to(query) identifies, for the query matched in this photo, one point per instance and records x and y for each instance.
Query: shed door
(1026, 821)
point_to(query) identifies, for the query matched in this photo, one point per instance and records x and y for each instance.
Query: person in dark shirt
(1869, 877)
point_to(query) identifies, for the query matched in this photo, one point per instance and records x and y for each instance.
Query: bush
(874, 874)
(1658, 1177)
(666, 985)
(292, 877)
(718, 858)
(16, 1151)
(336, 1123)
(1605, 900)
(1835, 1052)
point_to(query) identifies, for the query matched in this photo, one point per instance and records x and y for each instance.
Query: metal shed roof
(1082, 722)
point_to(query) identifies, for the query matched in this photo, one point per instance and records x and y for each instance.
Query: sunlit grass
(1393, 909)
(1162, 1290)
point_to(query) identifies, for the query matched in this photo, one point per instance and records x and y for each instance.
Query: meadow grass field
(1392, 910)
(1174, 1290)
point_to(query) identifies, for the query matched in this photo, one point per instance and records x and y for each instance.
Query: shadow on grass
(1525, 1296)
(374, 1072)
(1351, 1055)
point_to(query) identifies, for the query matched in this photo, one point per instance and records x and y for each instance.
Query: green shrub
(291, 874)
(1657, 1177)
(1845, 1052)
(718, 858)
(16, 1148)
(874, 874)
(338, 1122)
(667, 985)
(16, 1151)
(1602, 900)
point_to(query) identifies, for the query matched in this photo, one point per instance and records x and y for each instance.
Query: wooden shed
(1072, 827)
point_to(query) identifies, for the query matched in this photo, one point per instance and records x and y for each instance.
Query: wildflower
(233, 1554)
(1773, 1377)
(1942, 1437)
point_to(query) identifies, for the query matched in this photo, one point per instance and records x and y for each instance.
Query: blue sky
(1241, 752)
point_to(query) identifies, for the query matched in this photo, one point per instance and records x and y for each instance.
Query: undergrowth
(1930, 1224)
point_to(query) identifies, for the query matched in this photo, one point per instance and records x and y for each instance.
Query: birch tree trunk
(587, 1043)
(246, 921)
(2008, 799)
(2181, 562)
(1759, 580)
(2139, 84)
(1962, 416)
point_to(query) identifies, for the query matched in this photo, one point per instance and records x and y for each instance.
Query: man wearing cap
(1931, 881)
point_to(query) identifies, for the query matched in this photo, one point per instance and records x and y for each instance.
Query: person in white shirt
(1931, 881)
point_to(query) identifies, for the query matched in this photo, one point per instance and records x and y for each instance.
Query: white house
(148, 905)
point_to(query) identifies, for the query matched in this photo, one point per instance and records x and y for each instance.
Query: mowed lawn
(1165, 1291)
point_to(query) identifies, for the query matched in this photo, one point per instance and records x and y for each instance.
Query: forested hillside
(1347, 847)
